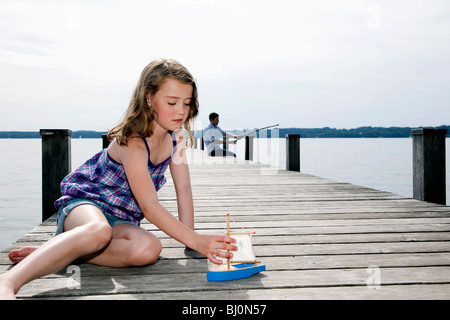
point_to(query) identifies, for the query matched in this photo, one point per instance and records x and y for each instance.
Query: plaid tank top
(103, 180)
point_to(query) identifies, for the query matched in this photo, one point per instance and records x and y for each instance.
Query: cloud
(323, 63)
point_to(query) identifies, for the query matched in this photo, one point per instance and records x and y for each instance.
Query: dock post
(249, 148)
(224, 144)
(429, 165)
(105, 141)
(293, 152)
(56, 164)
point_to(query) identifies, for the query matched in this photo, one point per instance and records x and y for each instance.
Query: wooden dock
(320, 239)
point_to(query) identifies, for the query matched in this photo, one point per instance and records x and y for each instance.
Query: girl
(105, 199)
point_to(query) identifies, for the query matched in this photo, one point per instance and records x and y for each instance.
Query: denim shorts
(65, 209)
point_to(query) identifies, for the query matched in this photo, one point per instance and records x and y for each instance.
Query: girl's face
(171, 103)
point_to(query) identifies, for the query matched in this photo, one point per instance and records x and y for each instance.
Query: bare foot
(19, 254)
(6, 290)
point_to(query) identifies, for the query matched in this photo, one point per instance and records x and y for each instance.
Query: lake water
(383, 164)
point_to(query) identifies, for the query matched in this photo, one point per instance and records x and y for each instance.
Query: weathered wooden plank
(168, 242)
(329, 249)
(294, 221)
(313, 262)
(376, 233)
(57, 287)
(301, 231)
(332, 249)
(390, 292)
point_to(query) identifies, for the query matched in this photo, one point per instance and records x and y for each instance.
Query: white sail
(245, 251)
(243, 254)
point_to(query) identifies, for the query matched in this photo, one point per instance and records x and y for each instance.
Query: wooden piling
(249, 148)
(224, 144)
(293, 152)
(429, 165)
(56, 164)
(105, 141)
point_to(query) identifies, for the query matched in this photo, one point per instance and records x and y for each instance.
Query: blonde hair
(137, 120)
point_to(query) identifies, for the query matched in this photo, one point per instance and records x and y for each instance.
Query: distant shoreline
(326, 132)
(36, 135)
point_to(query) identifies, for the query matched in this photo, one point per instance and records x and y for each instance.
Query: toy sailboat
(242, 265)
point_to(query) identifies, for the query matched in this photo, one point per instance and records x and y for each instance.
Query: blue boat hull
(243, 270)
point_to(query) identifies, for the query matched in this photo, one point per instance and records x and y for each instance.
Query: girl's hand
(211, 246)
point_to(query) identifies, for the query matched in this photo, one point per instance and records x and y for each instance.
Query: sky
(306, 64)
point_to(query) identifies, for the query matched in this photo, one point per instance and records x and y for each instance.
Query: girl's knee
(147, 253)
(98, 234)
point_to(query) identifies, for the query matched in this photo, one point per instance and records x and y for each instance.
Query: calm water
(383, 164)
(21, 176)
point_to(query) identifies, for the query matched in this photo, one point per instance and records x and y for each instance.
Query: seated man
(214, 136)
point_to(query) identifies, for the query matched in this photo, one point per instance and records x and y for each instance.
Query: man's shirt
(210, 134)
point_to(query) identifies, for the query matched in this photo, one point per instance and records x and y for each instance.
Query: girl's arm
(134, 158)
(182, 181)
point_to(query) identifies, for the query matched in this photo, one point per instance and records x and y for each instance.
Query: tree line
(326, 132)
(361, 132)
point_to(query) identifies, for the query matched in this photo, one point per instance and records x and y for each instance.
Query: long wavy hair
(137, 120)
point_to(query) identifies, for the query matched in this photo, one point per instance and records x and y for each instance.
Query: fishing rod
(256, 130)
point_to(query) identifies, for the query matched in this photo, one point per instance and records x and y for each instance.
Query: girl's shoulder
(135, 145)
